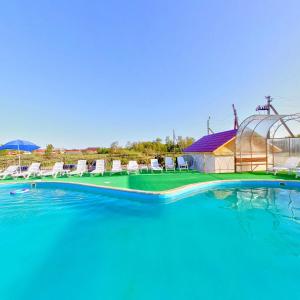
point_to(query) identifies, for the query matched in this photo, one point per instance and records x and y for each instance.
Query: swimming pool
(237, 241)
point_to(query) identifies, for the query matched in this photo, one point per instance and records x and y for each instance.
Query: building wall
(224, 164)
(226, 149)
(209, 163)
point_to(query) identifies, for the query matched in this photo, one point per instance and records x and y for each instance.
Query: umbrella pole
(19, 159)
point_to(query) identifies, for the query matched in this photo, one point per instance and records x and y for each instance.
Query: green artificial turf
(162, 181)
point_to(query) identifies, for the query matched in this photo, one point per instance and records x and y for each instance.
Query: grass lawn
(162, 181)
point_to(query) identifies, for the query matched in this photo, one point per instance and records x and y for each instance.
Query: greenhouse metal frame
(257, 146)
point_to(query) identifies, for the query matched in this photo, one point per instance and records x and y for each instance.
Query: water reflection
(270, 215)
(283, 202)
(264, 205)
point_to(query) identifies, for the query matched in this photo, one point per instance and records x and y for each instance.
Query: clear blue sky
(87, 73)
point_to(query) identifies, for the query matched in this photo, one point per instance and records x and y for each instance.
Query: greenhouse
(264, 141)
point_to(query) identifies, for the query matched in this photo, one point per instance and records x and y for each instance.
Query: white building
(213, 153)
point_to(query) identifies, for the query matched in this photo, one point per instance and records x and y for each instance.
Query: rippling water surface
(234, 243)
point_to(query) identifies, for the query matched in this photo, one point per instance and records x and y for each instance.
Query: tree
(102, 150)
(114, 147)
(169, 144)
(49, 151)
(128, 145)
(185, 142)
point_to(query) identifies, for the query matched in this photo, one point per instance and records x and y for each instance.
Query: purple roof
(211, 142)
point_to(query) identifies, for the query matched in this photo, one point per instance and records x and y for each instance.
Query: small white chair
(10, 171)
(132, 167)
(169, 164)
(297, 172)
(100, 167)
(116, 167)
(80, 169)
(290, 165)
(58, 169)
(33, 170)
(182, 164)
(155, 166)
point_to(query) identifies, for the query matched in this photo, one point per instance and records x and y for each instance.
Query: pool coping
(171, 194)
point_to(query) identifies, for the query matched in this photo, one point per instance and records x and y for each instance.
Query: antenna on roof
(236, 120)
(268, 107)
(175, 142)
(209, 130)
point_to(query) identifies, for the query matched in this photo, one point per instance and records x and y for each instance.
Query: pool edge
(168, 195)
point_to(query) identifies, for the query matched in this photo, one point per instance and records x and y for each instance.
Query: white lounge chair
(182, 164)
(58, 169)
(100, 167)
(169, 164)
(9, 172)
(132, 167)
(80, 169)
(33, 170)
(155, 166)
(290, 165)
(116, 167)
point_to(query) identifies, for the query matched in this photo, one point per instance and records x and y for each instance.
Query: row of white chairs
(100, 168)
(132, 166)
(33, 170)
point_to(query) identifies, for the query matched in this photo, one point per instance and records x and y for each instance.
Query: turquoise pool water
(228, 243)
